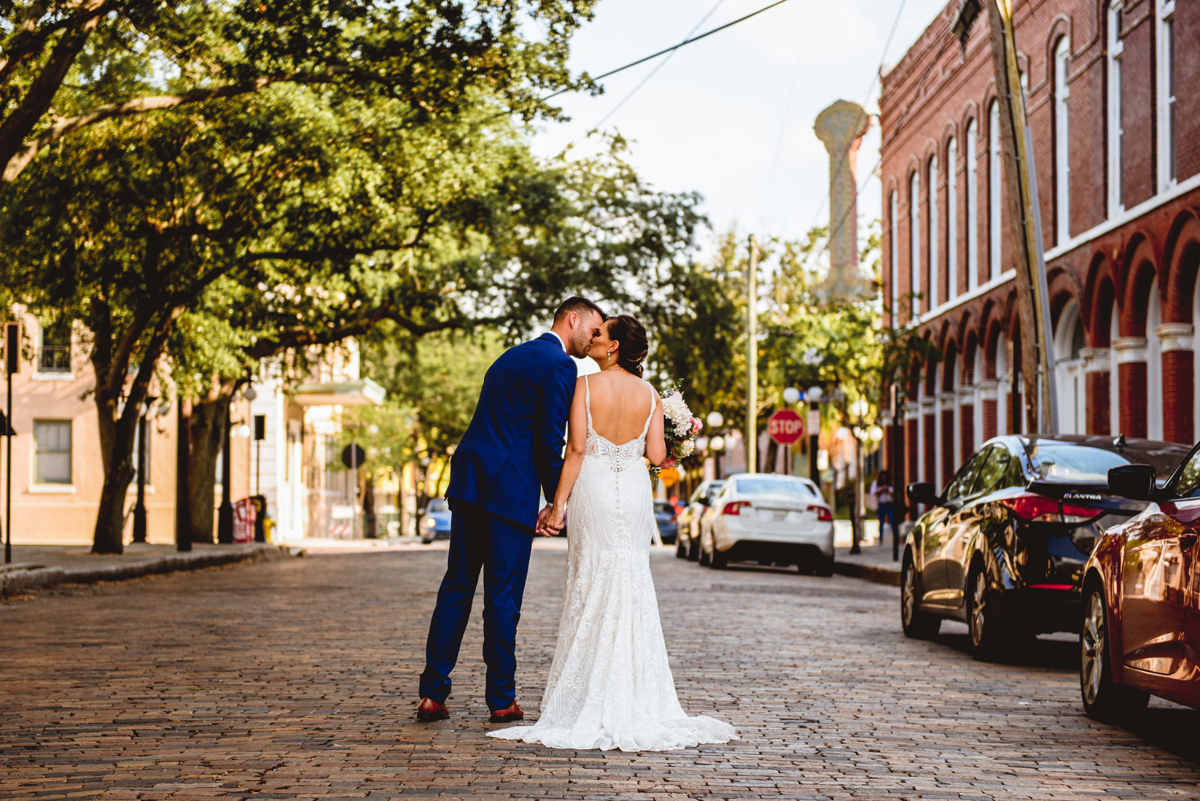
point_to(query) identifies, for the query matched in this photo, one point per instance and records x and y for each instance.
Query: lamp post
(813, 396)
(791, 396)
(752, 360)
(716, 420)
(139, 509)
(858, 410)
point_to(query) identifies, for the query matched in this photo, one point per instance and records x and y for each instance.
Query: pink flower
(696, 425)
(667, 465)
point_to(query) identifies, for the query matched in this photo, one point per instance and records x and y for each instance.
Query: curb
(879, 575)
(14, 581)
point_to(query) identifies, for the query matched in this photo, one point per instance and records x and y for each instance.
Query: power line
(673, 48)
(841, 164)
(947, 38)
(660, 65)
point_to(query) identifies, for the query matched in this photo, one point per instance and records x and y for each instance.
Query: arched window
(1166, 94)
(1068, 357)
(895, 245)
(1116, 124)
(914, 230)
(951, 220)
(1062, 148)
(994, 194)
(972, 206)
(934, 276)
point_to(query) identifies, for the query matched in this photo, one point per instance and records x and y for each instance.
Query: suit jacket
(514, 444)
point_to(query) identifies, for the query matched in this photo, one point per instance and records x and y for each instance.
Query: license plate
(772, 515)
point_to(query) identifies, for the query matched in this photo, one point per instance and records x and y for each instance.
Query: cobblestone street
(297, 679)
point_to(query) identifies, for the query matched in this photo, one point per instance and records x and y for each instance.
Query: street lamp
(139, 510)
(858, 410)
(791, 395)
(813, 396)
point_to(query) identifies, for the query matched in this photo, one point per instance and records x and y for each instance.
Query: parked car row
(1038, 534)
(762, 518)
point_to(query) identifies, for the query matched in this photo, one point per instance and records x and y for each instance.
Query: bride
(610, 685)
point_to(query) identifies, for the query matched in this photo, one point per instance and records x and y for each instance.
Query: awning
(351, 393)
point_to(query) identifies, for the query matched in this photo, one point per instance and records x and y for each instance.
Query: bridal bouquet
(679, 429)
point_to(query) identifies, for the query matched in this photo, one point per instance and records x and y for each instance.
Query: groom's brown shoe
(507, 715)
(430, 710)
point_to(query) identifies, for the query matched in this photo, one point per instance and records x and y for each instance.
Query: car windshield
(773, 486)
(1057, 461)
(437, 505)
(663, 506)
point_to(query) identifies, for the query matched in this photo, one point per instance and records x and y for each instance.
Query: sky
(731, 116)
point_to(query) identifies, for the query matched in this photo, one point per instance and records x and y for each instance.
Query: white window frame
(995, 196)
(951, 219)
(914, 219)
(1062, 142)
(934, 276)
(1165, 58)
(70, 451)
(895, 232)
(1116, 203)
(972, 204)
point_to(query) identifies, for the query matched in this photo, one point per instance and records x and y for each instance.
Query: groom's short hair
(579, 306)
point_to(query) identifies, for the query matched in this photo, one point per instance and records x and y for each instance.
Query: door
(941, 530)
(992, 474)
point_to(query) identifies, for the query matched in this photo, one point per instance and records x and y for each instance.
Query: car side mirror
(924, 492)
(1135, 481)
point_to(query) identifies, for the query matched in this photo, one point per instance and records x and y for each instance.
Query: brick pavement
(296, 679)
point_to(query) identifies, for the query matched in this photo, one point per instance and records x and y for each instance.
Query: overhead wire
(670, 54)
(672, 49)
(947, 38)
(874, 79)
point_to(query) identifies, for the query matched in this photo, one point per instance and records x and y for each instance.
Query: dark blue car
(668, 524)
(435, 521)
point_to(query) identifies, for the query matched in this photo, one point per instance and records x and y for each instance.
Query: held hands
(550, 521)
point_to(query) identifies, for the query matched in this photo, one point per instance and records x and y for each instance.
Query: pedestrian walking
(882, 491)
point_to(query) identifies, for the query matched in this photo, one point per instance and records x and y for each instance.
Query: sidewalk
(46, 565)
(874, 563)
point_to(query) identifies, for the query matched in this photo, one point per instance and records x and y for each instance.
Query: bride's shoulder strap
(653, 406)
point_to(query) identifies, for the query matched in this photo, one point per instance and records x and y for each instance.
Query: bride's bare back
(620, 403)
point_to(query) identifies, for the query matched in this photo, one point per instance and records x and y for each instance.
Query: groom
(513, 445)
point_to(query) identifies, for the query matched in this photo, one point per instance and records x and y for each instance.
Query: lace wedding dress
(610, 685)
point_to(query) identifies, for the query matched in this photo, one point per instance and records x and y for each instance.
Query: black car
(1003, 548)
(687, 538)
(665, 517)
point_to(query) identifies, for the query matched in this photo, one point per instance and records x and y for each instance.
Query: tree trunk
(207, 431)
(116, 458)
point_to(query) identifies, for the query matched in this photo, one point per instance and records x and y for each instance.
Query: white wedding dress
(610, 685)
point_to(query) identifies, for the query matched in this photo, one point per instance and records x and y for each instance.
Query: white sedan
(769, 519)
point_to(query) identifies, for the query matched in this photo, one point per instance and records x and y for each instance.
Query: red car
(1140, 631)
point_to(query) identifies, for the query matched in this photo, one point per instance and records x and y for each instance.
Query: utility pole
(752, 361)
(1016, 146)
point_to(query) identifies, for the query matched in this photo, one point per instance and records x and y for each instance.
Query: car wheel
(703, 556)
(680, 549)
(916, 624)
(718, 560)
(1103, 699)
(986, 636)
(426, 540)
(693, 552)
(824, 566)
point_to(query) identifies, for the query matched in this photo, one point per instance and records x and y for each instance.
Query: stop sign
(786, 426)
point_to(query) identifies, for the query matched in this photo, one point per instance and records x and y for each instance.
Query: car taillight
(823, 514)
(1040, 509)
(734, 507)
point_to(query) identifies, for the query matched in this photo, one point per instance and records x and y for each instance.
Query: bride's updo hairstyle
(631, 336)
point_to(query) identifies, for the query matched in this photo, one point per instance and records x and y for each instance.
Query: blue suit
(512, 449)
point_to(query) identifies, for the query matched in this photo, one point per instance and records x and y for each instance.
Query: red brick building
(1114, 112)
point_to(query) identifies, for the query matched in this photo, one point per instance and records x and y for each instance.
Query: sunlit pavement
(297, 679)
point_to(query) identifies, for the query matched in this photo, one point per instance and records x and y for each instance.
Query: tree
(71, 64)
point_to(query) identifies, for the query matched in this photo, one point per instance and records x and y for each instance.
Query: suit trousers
(501, 548)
